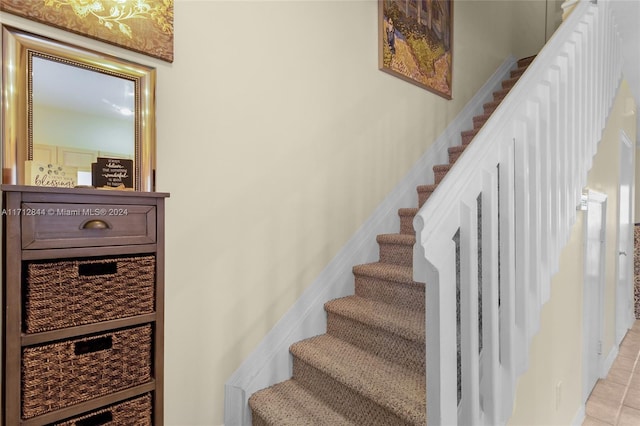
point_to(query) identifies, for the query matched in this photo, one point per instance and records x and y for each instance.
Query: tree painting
(415, 40)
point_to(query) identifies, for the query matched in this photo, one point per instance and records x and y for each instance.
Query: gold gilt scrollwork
(115, 14)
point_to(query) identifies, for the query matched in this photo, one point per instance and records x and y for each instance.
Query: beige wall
(277, 137)
(556, 352)
(561, 320)
(298, 138)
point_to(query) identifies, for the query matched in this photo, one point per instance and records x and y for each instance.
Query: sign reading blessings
(42, 174)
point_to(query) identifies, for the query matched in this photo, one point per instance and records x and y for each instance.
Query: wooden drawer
(65, 225)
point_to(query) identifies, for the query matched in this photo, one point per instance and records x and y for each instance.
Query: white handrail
(487, 274)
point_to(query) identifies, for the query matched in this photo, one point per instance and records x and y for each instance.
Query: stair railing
(489, 238)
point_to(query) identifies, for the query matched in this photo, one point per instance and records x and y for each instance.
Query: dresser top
(81, 191)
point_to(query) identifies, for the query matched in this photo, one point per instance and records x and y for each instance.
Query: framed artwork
(415, 41)
(144, 26)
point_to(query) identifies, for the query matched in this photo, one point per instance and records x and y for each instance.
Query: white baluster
(470, 404)
(543, 137)
(490, 370)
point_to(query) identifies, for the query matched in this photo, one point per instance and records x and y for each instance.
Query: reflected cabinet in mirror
(64, 107)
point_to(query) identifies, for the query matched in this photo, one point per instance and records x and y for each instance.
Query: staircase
(369, 367)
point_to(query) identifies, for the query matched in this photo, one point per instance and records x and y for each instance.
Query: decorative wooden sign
(112, 172)
(41, 174)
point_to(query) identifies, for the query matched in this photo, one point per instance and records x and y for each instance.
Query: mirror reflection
(65, 106)
(79, 114)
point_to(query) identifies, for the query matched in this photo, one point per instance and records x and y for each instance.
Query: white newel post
(441, 348)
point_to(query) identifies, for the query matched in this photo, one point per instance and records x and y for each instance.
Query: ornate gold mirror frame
(19, 50)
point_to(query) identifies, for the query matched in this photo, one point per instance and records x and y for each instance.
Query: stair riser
(508, 84)
(256, 420)
(500, 95)
(439, 175)
(384, 344)
(453, 156)
(490, 107)
(397, 294)
(343, 399)
(479, 121)
(517, 72)
(525, 62)
(406, 224)
(396, 254)
(467, 138)
(423, 196)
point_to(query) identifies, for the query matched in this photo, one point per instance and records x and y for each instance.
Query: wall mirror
(67, 106)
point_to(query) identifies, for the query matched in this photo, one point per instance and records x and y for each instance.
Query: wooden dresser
(83, 301)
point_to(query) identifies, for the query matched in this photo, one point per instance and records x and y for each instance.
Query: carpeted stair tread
(442, 167)
(400, 239)
(429, 187)
(404, 322)
(386, 271)
(290, 404)
(393, 387)
(456, 149)
(408, 211)
(525, 62)
(392, 284)
(369, 367)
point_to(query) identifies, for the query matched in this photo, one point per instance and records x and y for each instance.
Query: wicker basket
(75, 292)
(61, 374)
(135, 412)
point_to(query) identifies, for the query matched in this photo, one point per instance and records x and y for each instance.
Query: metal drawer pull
(95, 224)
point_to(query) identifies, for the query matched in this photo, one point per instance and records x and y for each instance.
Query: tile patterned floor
(615, 400)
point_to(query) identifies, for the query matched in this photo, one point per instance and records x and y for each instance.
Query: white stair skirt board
(270, 362)
(578, 419)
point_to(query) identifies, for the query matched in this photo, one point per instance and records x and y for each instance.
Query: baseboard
(578, 419)
(270, 362)
(608, 362)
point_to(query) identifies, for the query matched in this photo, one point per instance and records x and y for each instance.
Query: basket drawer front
(48, 225)
(65, 373)
(135, 412)
(69, 293)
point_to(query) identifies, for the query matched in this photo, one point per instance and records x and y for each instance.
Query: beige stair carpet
(369, 368)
